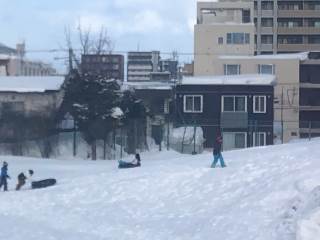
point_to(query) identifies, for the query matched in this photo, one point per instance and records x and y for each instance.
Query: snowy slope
(264, 193)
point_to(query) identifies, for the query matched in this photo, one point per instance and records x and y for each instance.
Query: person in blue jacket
(217, 153)
(4, 176)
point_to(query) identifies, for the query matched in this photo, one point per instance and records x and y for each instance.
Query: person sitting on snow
(21, 181)
(136, 162)
(217, 153)
(3, 177)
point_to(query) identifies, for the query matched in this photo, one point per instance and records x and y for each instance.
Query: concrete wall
(207, 47)
(43, 103)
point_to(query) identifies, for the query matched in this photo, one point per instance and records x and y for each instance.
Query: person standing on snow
(4, 176)
(217, 153)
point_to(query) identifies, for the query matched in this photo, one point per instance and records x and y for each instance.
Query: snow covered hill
(264, 193)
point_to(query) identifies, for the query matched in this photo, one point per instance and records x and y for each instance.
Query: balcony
(266, 30)
(298, 47)
(298, 30)
(266, 47)
(299, 13)
(234, 120)
(266, 13)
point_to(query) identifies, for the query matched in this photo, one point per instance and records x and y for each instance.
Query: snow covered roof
(149, 85)
(300, 56)
(249, 79)
(30, 83)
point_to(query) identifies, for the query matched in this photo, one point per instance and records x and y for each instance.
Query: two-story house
(240, 107)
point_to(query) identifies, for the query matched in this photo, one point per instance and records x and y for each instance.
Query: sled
(123, 164)
(43, 183)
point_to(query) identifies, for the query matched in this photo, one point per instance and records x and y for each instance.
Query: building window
(192, 103)
(267, 39)
(234, 140)
(234, 103)
(267, 22)
(259, 104)
(166, 106)
(246, 16)
(231, 69)
(220, 40)
(267, 5)
(266, 69)
(238, 38)
(259, 139)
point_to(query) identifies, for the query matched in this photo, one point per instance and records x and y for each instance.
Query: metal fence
(191, 138)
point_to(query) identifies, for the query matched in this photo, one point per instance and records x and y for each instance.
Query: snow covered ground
(264, 193)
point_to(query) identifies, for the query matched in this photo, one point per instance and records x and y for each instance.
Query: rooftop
(30, 84)
(300, 56)
(249, 79)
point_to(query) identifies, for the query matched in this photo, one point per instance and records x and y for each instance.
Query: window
(192, 103)
(246, 16)
(267, 39)
(238, 38)
(234, 140)
(12, 107)
(231, 69)
(166, 106)
(259, 139)
(220, 40)
(259, 104)
(267, 22)
(266, 69)
(267, 5)
(234, 103)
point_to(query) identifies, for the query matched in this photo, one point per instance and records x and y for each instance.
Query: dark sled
(43, 183)
(123, 164)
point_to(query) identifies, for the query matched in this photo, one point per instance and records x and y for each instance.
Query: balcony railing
(234, 120)
(298, 30)
(298, 13)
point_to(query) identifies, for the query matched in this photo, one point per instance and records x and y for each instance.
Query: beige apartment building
(224, 45)
(222, 28)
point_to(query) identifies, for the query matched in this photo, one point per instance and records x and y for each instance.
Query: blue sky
(164, 25)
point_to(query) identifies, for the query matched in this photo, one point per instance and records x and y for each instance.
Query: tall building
(284, 26)
(287, 26)
(141, 64)
(223, 28)
(109, 65)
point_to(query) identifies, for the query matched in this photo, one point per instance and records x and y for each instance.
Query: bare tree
(103, 43)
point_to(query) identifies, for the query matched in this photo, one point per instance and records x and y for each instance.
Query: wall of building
(286, 92)
(30, 103)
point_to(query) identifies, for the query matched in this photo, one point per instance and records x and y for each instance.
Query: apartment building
(141, 64)
(109, 65)
(287, 26)
(281, 26)
(222, 28)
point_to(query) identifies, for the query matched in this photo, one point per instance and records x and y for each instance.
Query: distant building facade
(141, 64)
(109, 65)
(14, 63)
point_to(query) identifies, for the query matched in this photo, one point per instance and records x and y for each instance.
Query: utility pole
(70, 59)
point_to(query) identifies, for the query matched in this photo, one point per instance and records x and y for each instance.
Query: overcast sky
(163, 25)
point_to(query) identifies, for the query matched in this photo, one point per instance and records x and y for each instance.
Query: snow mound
(265, 193)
